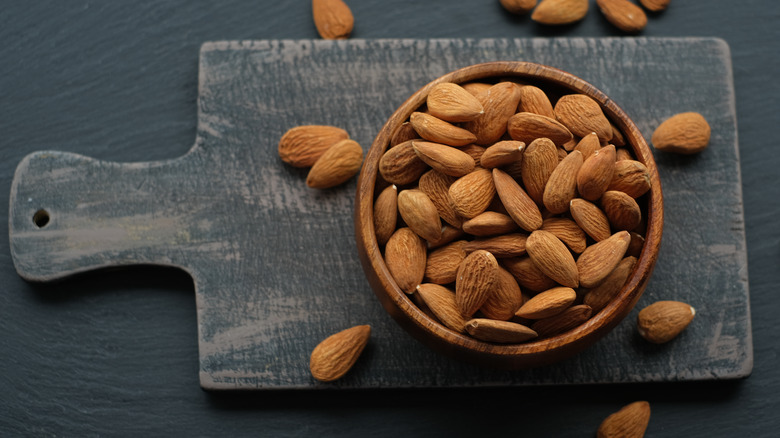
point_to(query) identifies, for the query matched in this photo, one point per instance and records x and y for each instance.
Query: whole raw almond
(548, 303)
(441, 301)
(506, 298)
(623, 14)
(629, 422)
(446, 159)
(622, 210)
(527, 127)
(562, 322)
(505, 245)
(518, 6)
(442, 263)
(568, 231)
(436, 130)
(401, 165)
(601, 258)
(332, 358)
(583, 115)
(474, 283)
(502, 153)
(475, 151)
(419, 214)
(617, 137)
(476, 88)
(662, 321)
(553, 258)
(527, 274)
(385, 213)
(501, 332)
(636, 245)
(449, 234)
(500, 103)
(489, 223)
(336, 166)
(405, 257)
(655, 5)
(471, 194)
(437, 185)
(561, 187)
(596, 173)
(405, 132)
(452, 103)
(588, 145)
(539, 161)
(624, 154)
(516, 201)
(598, 297)
(560, 12)
(590, 218)
(301, 146)
(333, 19)
(684, 133)
(631, 177)
(534, 100)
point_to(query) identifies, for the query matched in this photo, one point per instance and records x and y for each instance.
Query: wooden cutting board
(274, 263)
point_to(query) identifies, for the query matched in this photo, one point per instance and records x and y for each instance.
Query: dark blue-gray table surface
(115, 353)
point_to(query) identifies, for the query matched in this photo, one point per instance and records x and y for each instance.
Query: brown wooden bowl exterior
(463, 347)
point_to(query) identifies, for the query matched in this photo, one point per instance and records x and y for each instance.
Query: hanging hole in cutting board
(41, 218)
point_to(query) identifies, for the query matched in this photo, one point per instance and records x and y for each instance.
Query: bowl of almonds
(508, 214)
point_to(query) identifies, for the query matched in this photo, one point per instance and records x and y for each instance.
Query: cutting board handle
(70, 213)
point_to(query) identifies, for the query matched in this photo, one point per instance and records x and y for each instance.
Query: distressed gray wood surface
(274, 263)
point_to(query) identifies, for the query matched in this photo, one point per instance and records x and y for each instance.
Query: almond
(471, 194)
(655, 5)
(631, 177)
(684, 133)
(441, 301)
(506, 298)
(405, 257)
(499, 102)
(527, 274)
(442, 263)
(629, 422)
(446, 159)
(534, 100)
(476, 88)
(623, 14)
(505, 245)
(301, 146)
(401, 165)
(588, 145)
(489, 223)
(332, 358)
(475, 279)
(590, 218)
(437, 185)
(622, 210)
(404, 133)
(562, 322)
(601, 258)
(539, 161)
(624, 154)
(560, 12)
(548, 303)
(475, 151)
(662, 321)
(502, 153)
(333, 19)
(502, 332)
(596, 173)
(385, 213)
(598, 297)
(519, 6)
(561, 187)
(568, 231)
(527, 127)
(449, 234)
(336, 166)
(517, 203)
(438, 131)
(636, 245)
(583, 115)
(419, 214)
(552, 257)
(452, 103)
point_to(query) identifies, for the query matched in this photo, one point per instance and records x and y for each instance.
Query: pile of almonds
(507, 213)
(332, 156)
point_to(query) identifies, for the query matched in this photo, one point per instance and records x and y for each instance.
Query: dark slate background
(118, 81)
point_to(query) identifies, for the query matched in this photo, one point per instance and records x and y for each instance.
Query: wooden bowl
(461, 346)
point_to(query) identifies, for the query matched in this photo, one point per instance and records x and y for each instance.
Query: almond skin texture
(336, 166)
(527, 274)
(539, 161)
(489, 223)
(662, 321)
(534, 100)
(506, 298)
(477, 275)
(401, 165)
(553, 258)
(505, 245)
(630, 177)
(452, 103)
(519, 6)
(406, 257)
(500, 103)
(561, 187)
(568, 231)
(598, 297)
(333, 19)
(562, 322)
(385, 213)
(684, 133)
(437, 185)
(405, 132)
(332, 358)
(588, 145)
(559, 12)
(655, 5)
(449, 234)
(623, 14)
(443, 263)
(471, 195)
(622, 210)
(419, 214)
(527, 127)
(446, 159)
(548, 303)
(502, 153)
(437, 130)
(629, 422)
(441, 301)
(501, 332)
(596, 173)
(590, 218)
(601, 258)
(583, 115)
(301, 146)
(516, 201)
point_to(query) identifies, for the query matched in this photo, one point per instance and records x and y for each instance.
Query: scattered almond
(519, 6)
(662, 321)
(332, 358)
(336, 166)
(623, 14)
(333, 19)
(629, 422)
(559, 12)
(655, 5)
(301, 146)
(684, 133)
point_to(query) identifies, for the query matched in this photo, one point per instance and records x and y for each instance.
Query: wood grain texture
(274, 263)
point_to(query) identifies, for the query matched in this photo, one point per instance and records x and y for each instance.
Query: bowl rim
(400, 306)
